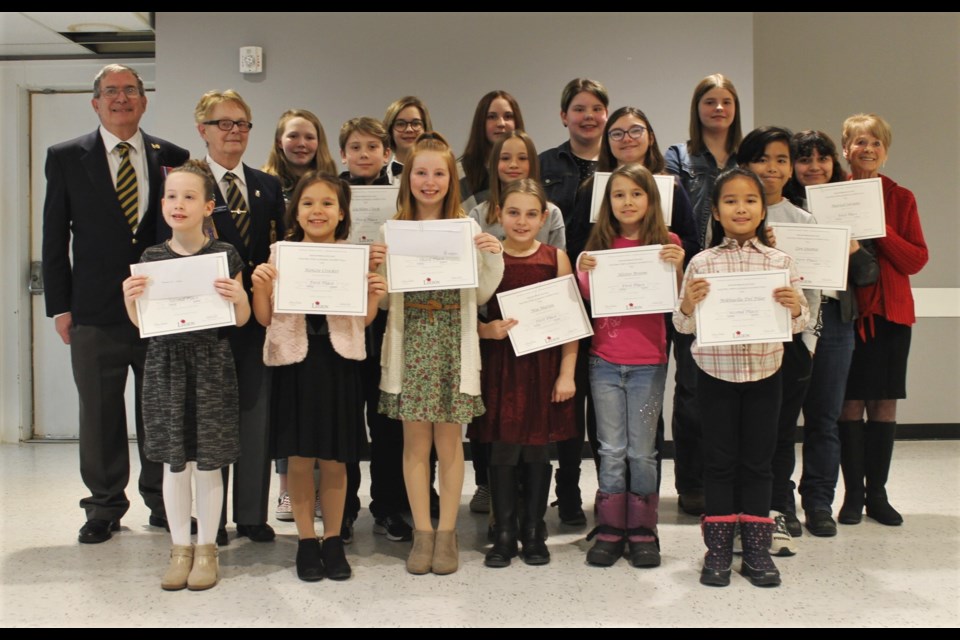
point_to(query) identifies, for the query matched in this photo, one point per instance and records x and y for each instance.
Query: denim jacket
(697, 174)
(560, 177)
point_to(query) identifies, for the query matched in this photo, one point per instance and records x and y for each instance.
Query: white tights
(178, 501)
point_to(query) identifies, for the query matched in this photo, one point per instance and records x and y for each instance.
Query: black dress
(317, 404)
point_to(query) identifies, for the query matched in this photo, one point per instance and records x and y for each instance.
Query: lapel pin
(154, 145)
(257, 193)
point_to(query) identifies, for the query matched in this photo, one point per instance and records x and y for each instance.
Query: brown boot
(181, 561)
(421, 555)
(446, 553)
(206, 568)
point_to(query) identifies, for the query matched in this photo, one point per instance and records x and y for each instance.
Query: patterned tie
(127, 191)
(238, 207)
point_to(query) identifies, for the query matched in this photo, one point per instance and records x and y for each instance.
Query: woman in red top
(879, 369)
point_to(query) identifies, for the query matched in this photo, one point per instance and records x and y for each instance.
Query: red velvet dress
(516, 391)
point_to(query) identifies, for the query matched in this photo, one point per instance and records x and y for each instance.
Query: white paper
(370, 207)
(321, 278)
(429, 255)
(548, 314)
(664, 186)
(857, 204)
(172, 303)
(740, 309)
(632, 281)
(821, 252)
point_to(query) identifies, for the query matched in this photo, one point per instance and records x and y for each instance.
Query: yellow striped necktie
(127, 191)
(238, 208)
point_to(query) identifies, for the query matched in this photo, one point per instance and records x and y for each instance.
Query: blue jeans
(627, 400)
(821, 410)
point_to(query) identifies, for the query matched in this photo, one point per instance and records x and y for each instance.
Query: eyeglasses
(401, 125)
(112, 92)
(636, 132)
(228, 125)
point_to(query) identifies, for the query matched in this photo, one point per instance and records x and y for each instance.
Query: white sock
(178, 502)
(209, 504)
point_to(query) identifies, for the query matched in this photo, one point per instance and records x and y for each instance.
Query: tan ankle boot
(206, 568)
(446, 553)
(421, 555)
(181, 561)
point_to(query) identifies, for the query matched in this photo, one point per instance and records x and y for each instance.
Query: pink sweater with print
(632, 340)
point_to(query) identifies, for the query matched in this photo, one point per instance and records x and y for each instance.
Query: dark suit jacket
(81, 200)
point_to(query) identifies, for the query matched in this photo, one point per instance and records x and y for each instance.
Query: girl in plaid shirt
(738, 386)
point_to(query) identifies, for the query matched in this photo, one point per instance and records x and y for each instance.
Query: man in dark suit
(248, 214)
(104, 189)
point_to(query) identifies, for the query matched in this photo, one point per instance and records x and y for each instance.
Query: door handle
(35, 286)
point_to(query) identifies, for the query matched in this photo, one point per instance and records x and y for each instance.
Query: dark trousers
(685, 423)
(739, 437)
(101, 357)
(251, 471)
(795, 376)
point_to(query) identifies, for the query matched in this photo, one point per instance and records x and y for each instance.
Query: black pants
(101, 357)
(795, 376)
(685, 424)
(739, 437)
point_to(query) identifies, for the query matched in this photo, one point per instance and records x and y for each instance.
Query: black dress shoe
(821, 524)
(161, 522)
(222, 538)
(96, 531)
(256, 532)
(692, 502)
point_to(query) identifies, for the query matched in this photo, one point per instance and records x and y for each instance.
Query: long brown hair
(477, 151)
(430, 141)
(277, 163)
(295, 232)
(734, 134)
(495, 184)
(652, 228)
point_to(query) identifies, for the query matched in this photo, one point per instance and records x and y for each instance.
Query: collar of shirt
(219, 171)
(729, 244)
(110, 141)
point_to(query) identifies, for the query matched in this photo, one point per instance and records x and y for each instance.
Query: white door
(56, 117)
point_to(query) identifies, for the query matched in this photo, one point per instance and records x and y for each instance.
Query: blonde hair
(653, 230)
(430, 142)
(210, 100)
(393, 111)
(866, 122)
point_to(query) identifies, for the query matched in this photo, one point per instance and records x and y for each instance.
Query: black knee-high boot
(879, 437)
(536, 492)
(503, 501)
(852, 464)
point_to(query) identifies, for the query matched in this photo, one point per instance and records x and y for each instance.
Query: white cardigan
(490, 269)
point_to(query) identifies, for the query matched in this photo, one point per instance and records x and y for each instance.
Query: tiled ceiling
(31, 36)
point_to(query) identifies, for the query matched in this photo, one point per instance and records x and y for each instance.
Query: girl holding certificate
(317, 398)
(628, 371)
(816, 161)
(878, 373)
(527, 398)
(738, 386)
(431, 358)
(190, 405)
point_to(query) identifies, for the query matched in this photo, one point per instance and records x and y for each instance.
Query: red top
(902, 253)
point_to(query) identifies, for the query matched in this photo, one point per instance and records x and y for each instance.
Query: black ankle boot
(335, 563)
(309, 560)
(569, 501)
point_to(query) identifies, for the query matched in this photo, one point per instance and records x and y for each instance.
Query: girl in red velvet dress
(528, 398)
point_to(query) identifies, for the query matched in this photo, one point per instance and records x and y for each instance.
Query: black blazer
(81, 201)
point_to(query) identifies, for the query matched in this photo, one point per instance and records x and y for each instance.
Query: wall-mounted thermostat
(251, 60)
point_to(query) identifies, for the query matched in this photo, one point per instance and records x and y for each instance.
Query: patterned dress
(431, 357)
(191, 411)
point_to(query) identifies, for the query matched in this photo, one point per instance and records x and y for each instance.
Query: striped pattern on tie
(238, 208)
(127, 191)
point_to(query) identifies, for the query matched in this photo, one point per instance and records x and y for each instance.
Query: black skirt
(879, 367)
(317, 406)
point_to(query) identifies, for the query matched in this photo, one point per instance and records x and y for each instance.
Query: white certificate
(632, 281)
(370, 207)
(740, 309)
(180, 296)
(547, 313)
(664, 186)
(821, 252)
(430, 254)
(321, 278)
(857, 204)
